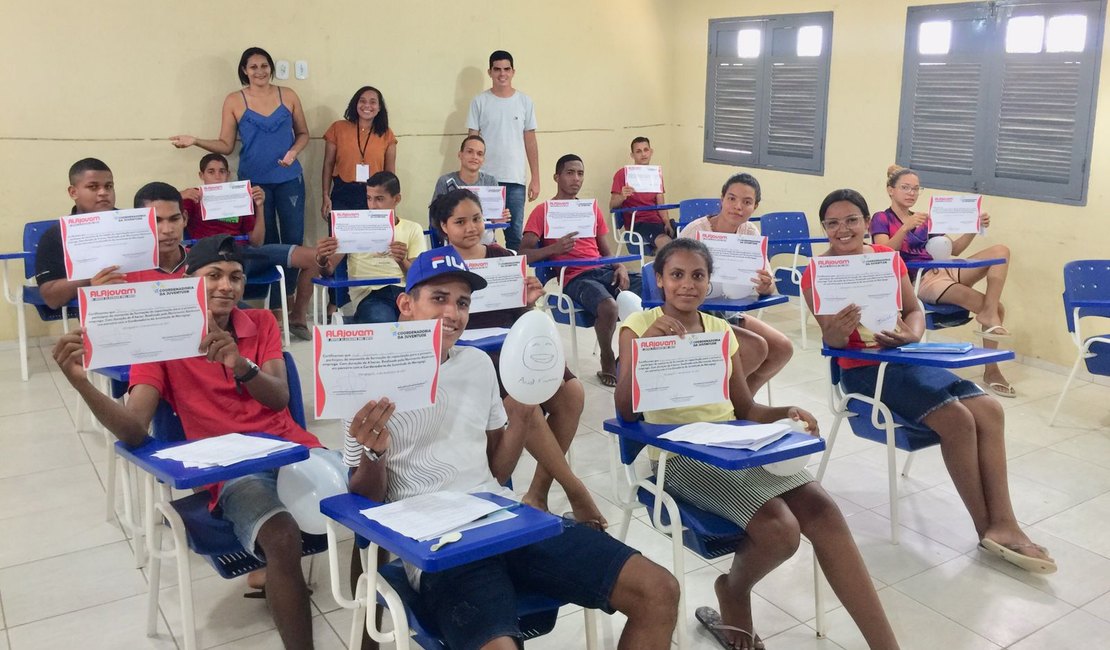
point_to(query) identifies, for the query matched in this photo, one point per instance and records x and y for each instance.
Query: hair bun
(893, 170)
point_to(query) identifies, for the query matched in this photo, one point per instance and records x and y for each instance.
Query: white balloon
(628, 303)
(301, 486)
(532, 360)
(940, 248)
(790, 466)
(734, 291)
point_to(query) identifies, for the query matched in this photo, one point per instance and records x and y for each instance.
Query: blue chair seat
(907, 436)
(709, 535)
(536, 614)
(1099, 364)
(582, 318)
(941, 315)
(32, 296)
(784, 282)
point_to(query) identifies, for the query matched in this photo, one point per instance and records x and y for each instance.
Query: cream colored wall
(864, 96)
(113, 82)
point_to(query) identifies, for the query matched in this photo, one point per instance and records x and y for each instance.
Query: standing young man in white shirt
(506, 119)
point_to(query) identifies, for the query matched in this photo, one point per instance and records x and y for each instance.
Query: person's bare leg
(989, 315)
(648, 595)
(662, 240)
(753, 350)
(779, 351)
(286, 592)
(823, 525)
(973, 301)
(501, 643)
(772, 537)
(605, 323)
(956, 427)
(304, 259)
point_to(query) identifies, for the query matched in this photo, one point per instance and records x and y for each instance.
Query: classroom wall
(119, 80)
(116, 81)
(864, 97)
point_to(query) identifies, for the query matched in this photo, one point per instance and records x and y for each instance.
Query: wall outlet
(301, 69)
(281, 70)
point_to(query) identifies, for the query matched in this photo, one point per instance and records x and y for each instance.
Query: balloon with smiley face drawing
(532, 359)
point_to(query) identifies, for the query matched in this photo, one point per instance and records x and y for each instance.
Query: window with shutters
(999, 97)
(767, 91)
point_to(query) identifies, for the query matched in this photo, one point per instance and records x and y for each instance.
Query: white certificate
(868, 281)
(671, 372)
(647, 179)
(363, 231)
(141, 322)
(491, 198)
(354, 364)
(737, 259)
(505, 283)
(955, 214)
(94, 241)
(226, 200)
(565, 217)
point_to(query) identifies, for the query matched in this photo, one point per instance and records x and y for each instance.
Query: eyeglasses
(910, 188)
(852, 222)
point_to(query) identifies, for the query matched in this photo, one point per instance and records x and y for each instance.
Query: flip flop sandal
(992, 333)
(1002, 389)
(607, 379)
(260, 593)
(1011, 554)
(593, 523)
(711, 621)
(300, 331)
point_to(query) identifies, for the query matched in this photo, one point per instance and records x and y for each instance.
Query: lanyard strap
(362, 145)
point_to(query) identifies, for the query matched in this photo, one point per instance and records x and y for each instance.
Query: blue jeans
(284, 214)
(379, 306)
(514, 200)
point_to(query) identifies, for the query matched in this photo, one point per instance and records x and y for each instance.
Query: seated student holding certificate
(969, 422)
(377, 304)
(652, 225)
(237, 384)
(906, 231)
(92, 189)
(773, 510)
(472, 153)
(261, 257)
(595, 287)
(458, 216)
(461, 444)
(765, 349)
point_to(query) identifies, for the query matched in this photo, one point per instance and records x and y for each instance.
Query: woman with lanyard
(271, 123)
(355, 148)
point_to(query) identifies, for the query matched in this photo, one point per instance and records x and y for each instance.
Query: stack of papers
(428, 516)
(480, 333)
(221, 451)
(752, 437)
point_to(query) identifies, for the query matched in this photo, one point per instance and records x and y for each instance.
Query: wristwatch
(251, 373)
(373, 455)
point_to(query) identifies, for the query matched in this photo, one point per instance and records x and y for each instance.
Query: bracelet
(373, 455)
(251, 373)
(320, 264)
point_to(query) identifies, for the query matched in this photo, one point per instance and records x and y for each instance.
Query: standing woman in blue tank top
(270, 122)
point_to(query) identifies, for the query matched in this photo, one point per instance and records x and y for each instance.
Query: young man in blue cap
(461, 444)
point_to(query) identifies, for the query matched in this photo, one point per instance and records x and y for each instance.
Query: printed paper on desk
(226, 200)
(426, 516)
(868, 281)
(363, 231)
(955, 214)
(565, 217)
(354, 364)
(94, 241)
(505, 283)
(737, 259)
(142, 322)
(491, 198)
(671, 372)
(646, 179)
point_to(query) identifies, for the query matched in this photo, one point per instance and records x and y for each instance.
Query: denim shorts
(912, 392)
(261, 259)
(594, 286)
(248, 502)
(476, 603)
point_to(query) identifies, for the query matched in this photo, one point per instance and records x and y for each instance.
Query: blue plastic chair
(691, 209)
(261, 285)
(871, 419)
(788, 279)
(192, 525)
(624, 223)
(1086, 294)
(341, 283)
(27, 294)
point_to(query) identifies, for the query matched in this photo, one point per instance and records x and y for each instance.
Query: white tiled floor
(67, 577)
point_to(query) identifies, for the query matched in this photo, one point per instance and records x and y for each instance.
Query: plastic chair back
(32, 233)
(650, 285)
(690, 209)
(907, 435)
(783, 225)
(1085, 280)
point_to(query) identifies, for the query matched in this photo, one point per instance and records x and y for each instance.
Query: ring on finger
(376, 432)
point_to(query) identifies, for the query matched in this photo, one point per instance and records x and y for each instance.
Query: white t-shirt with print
(502, 122)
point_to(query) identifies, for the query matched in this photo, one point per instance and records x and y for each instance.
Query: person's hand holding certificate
(505, 283)
(226, 200)
(141, 322)
(671, 371)
(565, 217)
(363, 231)
(955, 214)
(868, 281)
(647, 179)
(492, 200)
(737, 259)
(354, 364)
(127, 239)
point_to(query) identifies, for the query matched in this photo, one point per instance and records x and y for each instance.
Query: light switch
(300, 68)
(282, 70)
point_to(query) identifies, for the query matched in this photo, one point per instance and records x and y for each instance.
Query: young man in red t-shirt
(594, 288)
(652, 225)
(239, 384)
